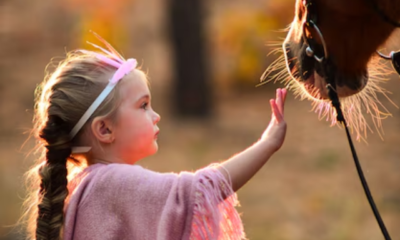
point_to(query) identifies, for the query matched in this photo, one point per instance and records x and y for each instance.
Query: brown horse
(351, 32)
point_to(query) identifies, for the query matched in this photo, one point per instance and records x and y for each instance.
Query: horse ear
(396, 61)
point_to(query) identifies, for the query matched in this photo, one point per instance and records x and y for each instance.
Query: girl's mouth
(156, 135)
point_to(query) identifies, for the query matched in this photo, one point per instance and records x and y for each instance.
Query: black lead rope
(340, 118)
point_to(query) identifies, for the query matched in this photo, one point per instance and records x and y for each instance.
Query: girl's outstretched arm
(244, 165)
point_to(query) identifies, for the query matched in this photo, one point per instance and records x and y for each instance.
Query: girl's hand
(275, 133)
(243, 166)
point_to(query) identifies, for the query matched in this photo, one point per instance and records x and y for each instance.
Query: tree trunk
(191, 84)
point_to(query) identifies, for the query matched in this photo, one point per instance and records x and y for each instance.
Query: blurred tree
(103, 17)
(243, 35)
(191, 86)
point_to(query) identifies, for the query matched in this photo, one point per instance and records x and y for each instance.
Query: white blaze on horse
(349, 33)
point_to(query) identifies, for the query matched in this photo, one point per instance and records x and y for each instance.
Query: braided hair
(53, 175)
(61, 100)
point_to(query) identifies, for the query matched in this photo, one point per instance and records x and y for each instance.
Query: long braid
(53, 174)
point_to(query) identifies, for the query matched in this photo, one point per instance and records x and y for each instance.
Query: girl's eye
(144, 105)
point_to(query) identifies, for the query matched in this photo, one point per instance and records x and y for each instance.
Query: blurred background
(204, 59)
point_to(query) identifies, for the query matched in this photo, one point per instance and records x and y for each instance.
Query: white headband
(123, 68)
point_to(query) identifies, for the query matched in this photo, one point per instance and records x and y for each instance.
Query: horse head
(351, 32)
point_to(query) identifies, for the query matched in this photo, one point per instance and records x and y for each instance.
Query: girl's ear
(102, 129)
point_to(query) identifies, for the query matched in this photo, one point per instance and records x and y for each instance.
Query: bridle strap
(328, 72)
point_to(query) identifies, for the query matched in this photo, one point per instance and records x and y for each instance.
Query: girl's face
(135, 131)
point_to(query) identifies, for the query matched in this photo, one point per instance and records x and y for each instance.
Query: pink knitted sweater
(120, 201)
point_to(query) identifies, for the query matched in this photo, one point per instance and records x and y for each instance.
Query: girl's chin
(144, 153)
(154, 148)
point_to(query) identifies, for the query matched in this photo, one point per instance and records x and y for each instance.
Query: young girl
(94, 122)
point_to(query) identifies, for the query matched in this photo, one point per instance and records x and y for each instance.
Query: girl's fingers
(277, 104)
(284, 93)
(276, 111)
(279, 99)
(278, 96)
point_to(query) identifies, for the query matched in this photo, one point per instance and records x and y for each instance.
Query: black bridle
(321, 56)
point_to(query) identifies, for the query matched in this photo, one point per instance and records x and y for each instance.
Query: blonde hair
(60, 101)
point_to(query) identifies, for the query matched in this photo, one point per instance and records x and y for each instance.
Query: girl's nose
(156, 117)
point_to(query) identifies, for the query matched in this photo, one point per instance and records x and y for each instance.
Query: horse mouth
(306, 72)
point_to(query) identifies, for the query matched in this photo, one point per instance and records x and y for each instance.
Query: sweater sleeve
(214, 213)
